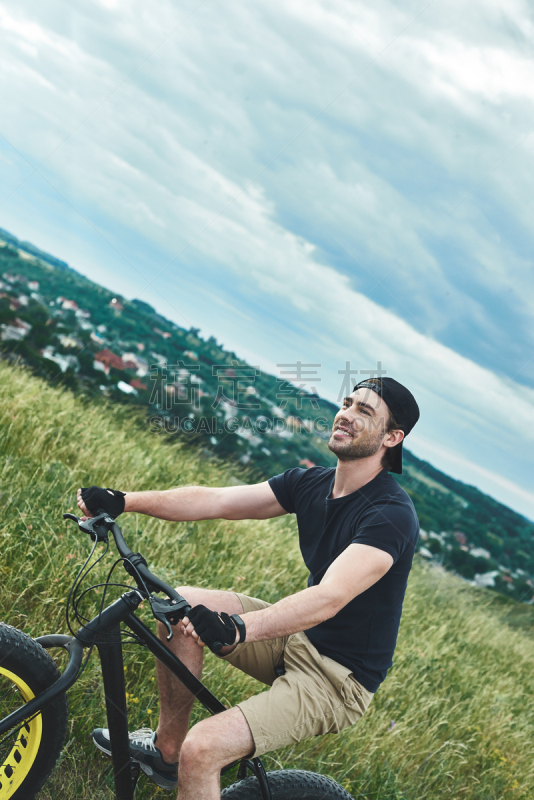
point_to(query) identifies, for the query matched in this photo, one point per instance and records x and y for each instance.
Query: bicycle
(32, 731)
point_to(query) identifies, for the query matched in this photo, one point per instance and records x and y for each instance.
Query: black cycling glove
(110, 500)
(217, 630)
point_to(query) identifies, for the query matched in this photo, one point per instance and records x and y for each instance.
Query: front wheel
(288, 784)
(28, 752)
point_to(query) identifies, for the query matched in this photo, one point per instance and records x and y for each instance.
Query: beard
(363, 446)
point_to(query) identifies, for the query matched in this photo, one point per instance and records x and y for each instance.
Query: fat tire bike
(33, 703)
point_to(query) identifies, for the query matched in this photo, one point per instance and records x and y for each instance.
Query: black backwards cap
(402, 405)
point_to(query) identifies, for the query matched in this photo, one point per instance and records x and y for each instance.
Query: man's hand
(110, 500)
(210, 628)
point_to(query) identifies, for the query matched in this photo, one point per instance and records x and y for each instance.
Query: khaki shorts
(316, 695)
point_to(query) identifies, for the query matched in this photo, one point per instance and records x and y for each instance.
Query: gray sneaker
(144, 751)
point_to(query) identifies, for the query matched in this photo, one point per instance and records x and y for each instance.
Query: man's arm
(202, 502)
(355, 570)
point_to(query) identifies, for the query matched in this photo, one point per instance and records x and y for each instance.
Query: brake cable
(167, 611)
(78, 580)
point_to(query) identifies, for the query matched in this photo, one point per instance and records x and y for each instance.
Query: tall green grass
(453, 719)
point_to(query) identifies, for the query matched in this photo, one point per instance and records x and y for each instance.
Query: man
(335, 639)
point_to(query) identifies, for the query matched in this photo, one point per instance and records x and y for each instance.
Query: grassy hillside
(454, 717)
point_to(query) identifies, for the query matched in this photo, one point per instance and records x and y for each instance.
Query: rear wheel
(288, 784)
(27, 753)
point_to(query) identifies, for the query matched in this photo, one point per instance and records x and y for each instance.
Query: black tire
(288, 784)
(33, 748)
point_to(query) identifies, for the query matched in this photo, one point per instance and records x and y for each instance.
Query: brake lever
(93, 525)
(169, 611)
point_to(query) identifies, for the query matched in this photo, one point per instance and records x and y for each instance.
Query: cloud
(334, 170)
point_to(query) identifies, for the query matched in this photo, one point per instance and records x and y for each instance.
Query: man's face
(360, 426)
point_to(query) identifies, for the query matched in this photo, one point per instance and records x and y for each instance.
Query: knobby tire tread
(289, 784)
(23, 656)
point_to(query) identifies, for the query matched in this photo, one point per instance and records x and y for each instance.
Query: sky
(320, 181)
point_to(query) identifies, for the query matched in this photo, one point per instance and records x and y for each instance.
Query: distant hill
(71, 330)
(27, 247)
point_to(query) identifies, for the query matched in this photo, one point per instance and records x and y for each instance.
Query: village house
(63, 362)
(66, 304)
(461, 538)
(165, 334)
(16, 331)
(480, 552)
(69, 341)
(106, 359)
(137, 363)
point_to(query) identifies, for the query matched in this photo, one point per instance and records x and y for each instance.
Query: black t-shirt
(362, 636)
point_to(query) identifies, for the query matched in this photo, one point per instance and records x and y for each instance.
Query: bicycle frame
(104, 632)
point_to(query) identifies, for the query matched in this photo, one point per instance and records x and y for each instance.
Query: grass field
(454, 717)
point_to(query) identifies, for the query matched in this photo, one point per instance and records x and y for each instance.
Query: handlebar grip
(216, 647)
(98, 511)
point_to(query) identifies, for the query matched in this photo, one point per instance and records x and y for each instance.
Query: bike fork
(256, 767)
(115, 691)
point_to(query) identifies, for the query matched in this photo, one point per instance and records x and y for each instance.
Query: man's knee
(194, 595)
(214, 599)
(198, 749)
(216, 741)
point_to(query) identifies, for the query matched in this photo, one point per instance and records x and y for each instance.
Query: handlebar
(166, 611)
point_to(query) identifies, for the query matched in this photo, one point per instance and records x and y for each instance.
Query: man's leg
(176, 701)
(209, 746)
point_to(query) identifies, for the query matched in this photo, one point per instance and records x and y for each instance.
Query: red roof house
(110, 359)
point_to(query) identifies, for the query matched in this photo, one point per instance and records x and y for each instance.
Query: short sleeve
(389, 525)
(284, 485)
